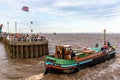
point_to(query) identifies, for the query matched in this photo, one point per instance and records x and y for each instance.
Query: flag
(31, 30)
(25, 8)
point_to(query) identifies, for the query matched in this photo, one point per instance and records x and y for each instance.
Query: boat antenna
(104, 36)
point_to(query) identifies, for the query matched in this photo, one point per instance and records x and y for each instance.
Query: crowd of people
(25, 37)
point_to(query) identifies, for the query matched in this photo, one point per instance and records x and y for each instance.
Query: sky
(61, 16)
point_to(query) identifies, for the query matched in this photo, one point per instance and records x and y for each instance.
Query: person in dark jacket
(72, 54)
(63, 53)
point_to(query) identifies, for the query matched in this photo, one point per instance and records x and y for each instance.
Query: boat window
(58, 48)
(68, 49)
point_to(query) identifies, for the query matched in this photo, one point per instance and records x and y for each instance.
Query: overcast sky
(61, 16)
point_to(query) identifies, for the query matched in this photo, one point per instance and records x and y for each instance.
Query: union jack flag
(25, 8)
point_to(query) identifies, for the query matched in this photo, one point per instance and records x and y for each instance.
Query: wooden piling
(46, 49)
(17, 52)
(43, 49)
(13, 50)
(36, 51)
(39, 51)
(31, 51)
(21, 52)
(26, 51)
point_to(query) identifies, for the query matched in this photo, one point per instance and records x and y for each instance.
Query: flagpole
(15, 27)
(8, 27)
(31, 26)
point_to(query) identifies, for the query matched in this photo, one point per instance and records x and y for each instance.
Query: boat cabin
(63, 52)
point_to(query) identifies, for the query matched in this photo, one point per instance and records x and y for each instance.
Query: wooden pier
(26, 49)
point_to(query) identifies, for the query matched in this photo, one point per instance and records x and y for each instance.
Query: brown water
(19, 69)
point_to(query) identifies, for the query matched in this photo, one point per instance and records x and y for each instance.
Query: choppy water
(18, 69)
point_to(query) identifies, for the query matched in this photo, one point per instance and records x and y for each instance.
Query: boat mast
(104, 36)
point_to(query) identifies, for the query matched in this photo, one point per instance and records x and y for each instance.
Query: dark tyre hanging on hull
(76, 70)
(112, 55)
(46, 71)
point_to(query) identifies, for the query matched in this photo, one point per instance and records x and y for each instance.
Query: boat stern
(60, 65)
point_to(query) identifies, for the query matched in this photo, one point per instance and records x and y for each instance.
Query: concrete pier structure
(27, 49)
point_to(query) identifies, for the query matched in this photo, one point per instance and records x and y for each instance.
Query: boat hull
(52, 67)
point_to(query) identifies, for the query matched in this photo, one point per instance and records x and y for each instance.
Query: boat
(54, 33)
(66, 60)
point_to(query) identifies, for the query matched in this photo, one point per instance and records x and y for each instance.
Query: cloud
(80, 8)
(60, 13)
(88, 8)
